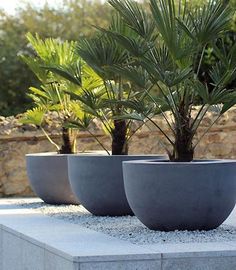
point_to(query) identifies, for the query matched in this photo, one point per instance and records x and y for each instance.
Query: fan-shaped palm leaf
(34, 116)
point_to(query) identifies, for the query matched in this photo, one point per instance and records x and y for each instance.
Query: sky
(10, 5)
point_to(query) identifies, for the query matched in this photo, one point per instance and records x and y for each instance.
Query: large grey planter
(98, 183)
(170, 196)
(48, 176)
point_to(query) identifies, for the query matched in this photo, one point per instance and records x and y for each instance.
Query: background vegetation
(70, 23)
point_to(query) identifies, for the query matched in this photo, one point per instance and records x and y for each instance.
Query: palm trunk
(119, 139)
(183, 150)
(69, 141)
(183, 147)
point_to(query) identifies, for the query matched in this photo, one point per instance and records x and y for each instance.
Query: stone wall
(16, 140)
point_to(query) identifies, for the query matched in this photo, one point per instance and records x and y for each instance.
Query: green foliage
(107, 102)
(100, 53)
(53, 94)
(71, 21)
(34, 116)
(173, 65)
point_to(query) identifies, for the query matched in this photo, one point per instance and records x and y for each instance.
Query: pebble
(129, 228)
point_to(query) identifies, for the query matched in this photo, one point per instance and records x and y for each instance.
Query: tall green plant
(106, 57)
(101, 53)
(173, 64)
(52, 95)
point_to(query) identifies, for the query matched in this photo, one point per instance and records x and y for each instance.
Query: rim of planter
(166, 162)
(44, 154)
(87, 153)
(113, 156)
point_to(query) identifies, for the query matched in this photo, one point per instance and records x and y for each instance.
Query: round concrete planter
(169, 196)
(98, 183)
(48, 176)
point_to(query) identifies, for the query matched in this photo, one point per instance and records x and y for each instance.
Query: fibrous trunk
(119, 138)
(69, 141)
(183, 150)
(183, 146)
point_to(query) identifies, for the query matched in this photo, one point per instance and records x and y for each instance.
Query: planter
(97, 181)
(169, 196)
(48, 176)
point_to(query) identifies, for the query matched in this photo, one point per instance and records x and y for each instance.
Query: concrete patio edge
(32, 241)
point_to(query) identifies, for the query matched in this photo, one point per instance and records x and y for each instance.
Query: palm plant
(107, 58)
(52, 94)
(168, 43)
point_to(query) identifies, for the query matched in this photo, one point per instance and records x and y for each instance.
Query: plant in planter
(97, 180)
(48, 172)
(183, 193)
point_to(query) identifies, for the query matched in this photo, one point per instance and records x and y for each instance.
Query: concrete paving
(32, 241)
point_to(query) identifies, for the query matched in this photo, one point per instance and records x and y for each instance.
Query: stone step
(32, 241)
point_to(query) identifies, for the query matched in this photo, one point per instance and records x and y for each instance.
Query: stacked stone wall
(17, 140)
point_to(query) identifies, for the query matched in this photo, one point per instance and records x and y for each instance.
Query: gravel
(129, 228)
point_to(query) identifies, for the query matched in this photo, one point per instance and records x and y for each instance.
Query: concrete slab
(1, 248)
(12, 252)
(32, 241)
(216, 263)
(33, 256)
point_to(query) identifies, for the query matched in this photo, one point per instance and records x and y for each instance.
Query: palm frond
(135, 74)
(206, 23)
(136, 17)
(34, 116)
(53, 51)
(35, 65)
(101, 53)
(224, 71)
(229, 102)
(71, 73)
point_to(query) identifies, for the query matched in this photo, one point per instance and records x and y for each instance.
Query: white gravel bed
(129, 228)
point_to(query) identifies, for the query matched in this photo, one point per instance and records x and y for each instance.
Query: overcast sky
(10, 5)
